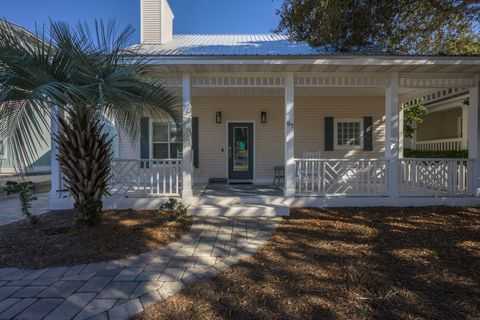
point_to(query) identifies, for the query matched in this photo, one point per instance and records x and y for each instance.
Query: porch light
(218, 117)
(263, 117)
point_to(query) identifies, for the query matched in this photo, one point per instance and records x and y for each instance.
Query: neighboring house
(41, 163)
(256, 104)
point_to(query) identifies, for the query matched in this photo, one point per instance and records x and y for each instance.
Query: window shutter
(367, 133)
(144, 139)
(195, 142)
(329, 134)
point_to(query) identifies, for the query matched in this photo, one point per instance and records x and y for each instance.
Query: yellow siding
(309, 123)
(439, 125)
(269, 137)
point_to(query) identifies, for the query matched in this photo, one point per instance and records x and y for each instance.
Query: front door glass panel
(241, 149)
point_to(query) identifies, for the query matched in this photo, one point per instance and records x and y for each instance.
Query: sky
(191, 16)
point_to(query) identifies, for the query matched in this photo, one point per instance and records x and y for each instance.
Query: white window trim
(5, 150)
(150, 129)
(335, 133)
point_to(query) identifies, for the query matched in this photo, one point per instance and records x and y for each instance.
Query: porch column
(401, 137)
(56, 176)
(289, 134)
(187, 164)
(474, 134)
(392, 134)
(464, 127)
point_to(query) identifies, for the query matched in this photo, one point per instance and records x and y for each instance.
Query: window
(348, 133)
(164, 141)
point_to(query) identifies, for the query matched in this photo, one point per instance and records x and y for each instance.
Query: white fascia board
(295, 60)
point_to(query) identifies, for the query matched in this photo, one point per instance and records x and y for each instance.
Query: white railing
(324, 177)
(139, 177)
(442, 177)
(439, 145)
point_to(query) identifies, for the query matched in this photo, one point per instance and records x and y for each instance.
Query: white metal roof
(234, 45)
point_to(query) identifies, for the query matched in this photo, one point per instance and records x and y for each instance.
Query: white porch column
(401, 138)
(56, 176)
(187, 164)
(465, 127)
(392, 134)
(474, 134)
(289, 134)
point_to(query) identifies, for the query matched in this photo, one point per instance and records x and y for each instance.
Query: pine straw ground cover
(377, 263)
(56, 241)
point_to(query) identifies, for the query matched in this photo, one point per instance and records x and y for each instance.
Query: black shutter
(195, 142)
(329, 134)
(367, 133)
(144, 139)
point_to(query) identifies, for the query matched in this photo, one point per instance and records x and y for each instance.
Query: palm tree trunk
(84, 155)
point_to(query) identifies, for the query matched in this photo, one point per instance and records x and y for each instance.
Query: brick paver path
(121, 288)
(10, 208)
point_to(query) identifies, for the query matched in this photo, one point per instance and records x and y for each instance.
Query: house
(255, 106)
(444, 127)
(41, 162)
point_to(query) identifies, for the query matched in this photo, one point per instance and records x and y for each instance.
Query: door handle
(229, 152)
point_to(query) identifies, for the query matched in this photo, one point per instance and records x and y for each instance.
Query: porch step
(232, 201)
(246, 210)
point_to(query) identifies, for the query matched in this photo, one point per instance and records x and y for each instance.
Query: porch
(353, 121)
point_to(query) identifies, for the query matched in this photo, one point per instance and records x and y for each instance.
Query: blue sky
(191, 16)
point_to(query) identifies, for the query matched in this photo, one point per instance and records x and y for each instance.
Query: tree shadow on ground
(357, 263)
(57, 241)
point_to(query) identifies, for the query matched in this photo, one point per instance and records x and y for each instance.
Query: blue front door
(240, 151)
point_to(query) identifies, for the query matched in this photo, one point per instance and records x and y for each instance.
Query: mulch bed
(56, 241)
(376, 263)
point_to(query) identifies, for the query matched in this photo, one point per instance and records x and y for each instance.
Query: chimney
(156, 20)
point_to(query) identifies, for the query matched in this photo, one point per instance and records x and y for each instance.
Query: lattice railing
(341, 177)
(443, 177)
(134, 177)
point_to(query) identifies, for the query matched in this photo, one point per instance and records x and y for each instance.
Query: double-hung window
(164, 142)
(348, 133)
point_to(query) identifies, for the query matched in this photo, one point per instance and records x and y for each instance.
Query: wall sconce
(263, 117)
(218, 117)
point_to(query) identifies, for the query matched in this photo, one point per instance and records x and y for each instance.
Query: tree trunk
(84, 155)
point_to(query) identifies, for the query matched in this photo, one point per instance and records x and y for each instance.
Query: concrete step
(247, 210)
(229, 201)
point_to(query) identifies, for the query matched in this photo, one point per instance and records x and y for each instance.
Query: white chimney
(156, 19)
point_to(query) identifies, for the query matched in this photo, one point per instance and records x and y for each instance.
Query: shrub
(25, 194)
(435, 154)
(175, 206)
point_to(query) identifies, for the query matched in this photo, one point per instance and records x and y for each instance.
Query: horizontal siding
(309, 123)
(128, 148)
(269, 137)
(439, 125)
(213, 137)
(151, 21)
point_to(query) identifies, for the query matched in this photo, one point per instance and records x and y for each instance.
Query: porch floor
(238, 190)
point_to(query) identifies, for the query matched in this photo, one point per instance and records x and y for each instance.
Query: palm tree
(85, 76)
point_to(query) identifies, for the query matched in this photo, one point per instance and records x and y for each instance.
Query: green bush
(463, 154)
(175, 206)
(25, 194)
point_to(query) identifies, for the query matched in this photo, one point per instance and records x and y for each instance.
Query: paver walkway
(121, 288)
(10, 208)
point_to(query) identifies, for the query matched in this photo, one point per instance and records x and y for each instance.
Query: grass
(56, 241)
(375, 263)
